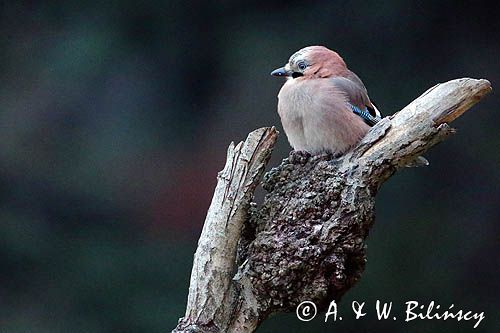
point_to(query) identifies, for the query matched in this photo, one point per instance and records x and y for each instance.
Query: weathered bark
(307, 240)
(212, 295)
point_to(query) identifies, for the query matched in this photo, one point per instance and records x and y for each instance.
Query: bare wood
(211, 293)
(307, 240)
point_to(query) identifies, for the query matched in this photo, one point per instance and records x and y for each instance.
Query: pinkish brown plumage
(323, 106)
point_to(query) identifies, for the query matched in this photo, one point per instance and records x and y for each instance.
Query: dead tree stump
(307, 240)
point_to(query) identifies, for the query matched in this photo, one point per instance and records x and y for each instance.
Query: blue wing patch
(365, 115)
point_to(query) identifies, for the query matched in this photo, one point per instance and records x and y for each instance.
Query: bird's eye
(302, 65)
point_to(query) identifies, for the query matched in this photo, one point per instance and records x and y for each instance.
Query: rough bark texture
(307, 240)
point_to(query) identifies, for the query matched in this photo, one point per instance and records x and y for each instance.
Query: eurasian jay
(323, 106)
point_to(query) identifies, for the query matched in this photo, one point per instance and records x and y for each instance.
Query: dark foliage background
(115, 118)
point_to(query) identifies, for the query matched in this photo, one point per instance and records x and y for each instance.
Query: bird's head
(313, 62)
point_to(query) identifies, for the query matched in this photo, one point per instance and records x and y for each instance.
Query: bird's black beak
(280, 72)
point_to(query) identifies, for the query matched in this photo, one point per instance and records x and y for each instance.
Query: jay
(324, 107)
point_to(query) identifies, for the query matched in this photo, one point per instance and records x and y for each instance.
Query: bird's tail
(420, 161)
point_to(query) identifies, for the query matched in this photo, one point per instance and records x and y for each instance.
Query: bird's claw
(299, 157)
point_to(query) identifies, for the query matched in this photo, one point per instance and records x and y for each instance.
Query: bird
(324, 107)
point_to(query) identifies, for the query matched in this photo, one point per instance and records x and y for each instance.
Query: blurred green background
(115, 118)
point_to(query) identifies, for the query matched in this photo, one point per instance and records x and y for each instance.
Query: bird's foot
(324, 157)
(299, 157)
